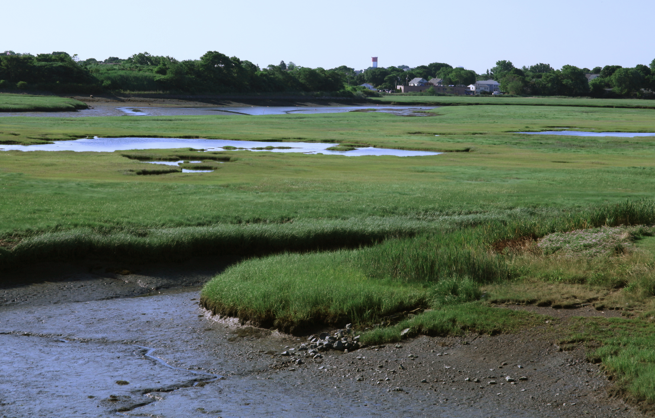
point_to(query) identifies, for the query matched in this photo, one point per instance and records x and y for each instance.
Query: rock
(360, 378)
(397, 390)
(519, 366)
(476, 380)
(492, 382)
(509, 379)
(404, 333)
(523, 378)
(299, 361)
(348, 326)
(398, 346)
(424, 381)
(324, 335)
(285, 353)
(122, 382)
(468, 379)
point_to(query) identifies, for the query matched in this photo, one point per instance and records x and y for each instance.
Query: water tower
(375, 62)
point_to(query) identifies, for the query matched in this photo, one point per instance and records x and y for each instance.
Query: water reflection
(122, 144)
(580, 133)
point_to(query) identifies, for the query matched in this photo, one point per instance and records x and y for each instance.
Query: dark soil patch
(517, 245)
(564, 313)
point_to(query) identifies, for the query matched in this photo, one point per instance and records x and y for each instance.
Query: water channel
(97, 144)
(597, 134)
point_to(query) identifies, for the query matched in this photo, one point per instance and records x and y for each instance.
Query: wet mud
(123, 340)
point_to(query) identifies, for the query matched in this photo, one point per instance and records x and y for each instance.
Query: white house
(490, 86)
(415, 82)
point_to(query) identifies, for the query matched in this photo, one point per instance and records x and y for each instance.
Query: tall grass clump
(294, 292)
(223, 239)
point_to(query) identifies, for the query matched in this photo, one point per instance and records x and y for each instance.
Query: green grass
(366, 239)
(625, 348)
(521, 101)
(31, 103)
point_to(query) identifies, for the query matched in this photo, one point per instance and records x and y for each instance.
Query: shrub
(21, 85)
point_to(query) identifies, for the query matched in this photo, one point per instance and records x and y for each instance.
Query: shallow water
(281, 110)
(122, 144)
(100, 110)
(580, 133)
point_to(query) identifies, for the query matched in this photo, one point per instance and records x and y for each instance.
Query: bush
(4, 84)
(22, 85)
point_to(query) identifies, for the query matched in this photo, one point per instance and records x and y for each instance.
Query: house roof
(591, 76)
(494, 82)
(435, 80)
(417, 80)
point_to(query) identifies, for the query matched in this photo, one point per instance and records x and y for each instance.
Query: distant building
(591, 76)
(436, 82)
(415, 82)
(368, 86)
(490, 86)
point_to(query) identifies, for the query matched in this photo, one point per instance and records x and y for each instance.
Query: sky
(472, 34)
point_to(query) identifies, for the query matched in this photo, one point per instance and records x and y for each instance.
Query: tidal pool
(580, 133)
(122, 144)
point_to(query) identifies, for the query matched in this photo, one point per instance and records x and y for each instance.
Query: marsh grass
(514, 101)
(33, 103)
(176, 155)
(344, 147)
(625, 348)
(447, 266)
(154, 171)
(226, 239)
(455, 319)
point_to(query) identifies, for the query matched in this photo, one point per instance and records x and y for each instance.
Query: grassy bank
(364, 239)
(454, 274)
(521, 101)
(31, 103)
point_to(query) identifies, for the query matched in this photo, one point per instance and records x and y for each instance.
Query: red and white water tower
(375, 62)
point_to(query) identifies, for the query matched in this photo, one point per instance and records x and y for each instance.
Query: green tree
(574, 81)
(549, 85)
(375, 76)
(596, 70)
(502, 67)
(17, 67)
(541, 68)
(597, 87)
(652, 65)
(608, 70)
(435, 67)
(282, 66)
(462, 77)
(643, 70)
(626, 81)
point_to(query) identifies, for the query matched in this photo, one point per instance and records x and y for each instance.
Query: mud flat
(103, 339)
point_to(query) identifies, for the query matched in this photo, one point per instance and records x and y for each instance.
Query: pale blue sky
(473, 34)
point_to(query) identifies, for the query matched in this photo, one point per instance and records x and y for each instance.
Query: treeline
(217, 73)
(543, 80)
(213, 72)
(390, 77)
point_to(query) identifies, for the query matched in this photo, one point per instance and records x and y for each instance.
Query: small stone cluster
(342, 340)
